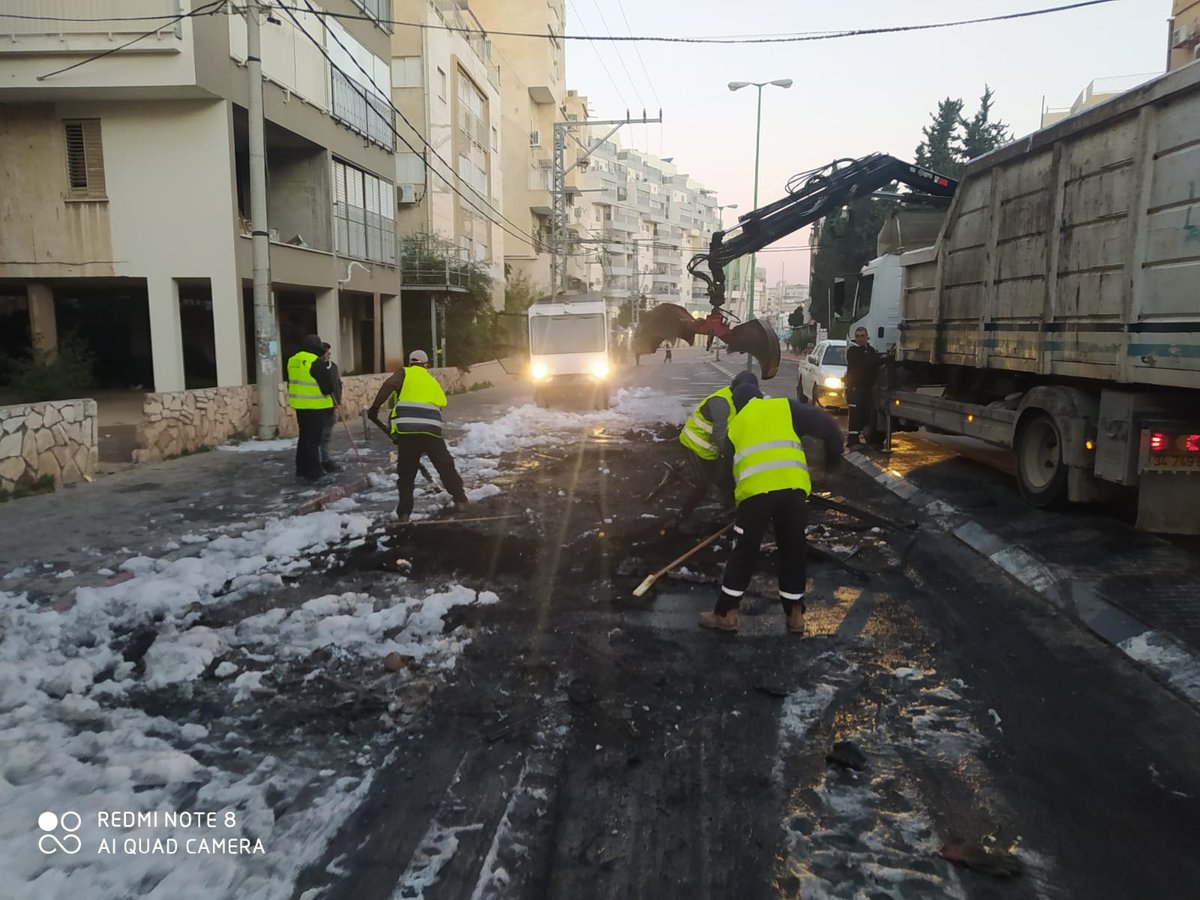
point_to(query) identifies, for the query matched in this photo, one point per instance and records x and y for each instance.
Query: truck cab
(877, 302)
(568, 351)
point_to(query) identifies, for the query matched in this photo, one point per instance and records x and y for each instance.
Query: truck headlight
(832, 382)
(538, 371)
(600, 369)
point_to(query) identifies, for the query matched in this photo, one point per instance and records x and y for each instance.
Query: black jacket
(861, 365)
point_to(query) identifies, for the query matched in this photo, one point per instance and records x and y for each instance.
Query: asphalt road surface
(590, 744)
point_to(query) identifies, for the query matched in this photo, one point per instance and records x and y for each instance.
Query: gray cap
(418, 358)
(744, 377)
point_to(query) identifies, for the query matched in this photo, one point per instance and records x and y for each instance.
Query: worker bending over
(416, 400)
(703, 436)
(771, 486)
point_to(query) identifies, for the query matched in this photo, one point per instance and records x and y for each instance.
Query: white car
(823, 374)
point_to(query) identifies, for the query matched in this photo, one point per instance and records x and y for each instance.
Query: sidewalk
(52, 543)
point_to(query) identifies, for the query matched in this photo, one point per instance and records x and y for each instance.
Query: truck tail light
(1180, 443)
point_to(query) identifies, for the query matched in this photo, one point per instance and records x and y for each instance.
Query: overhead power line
(789, 38)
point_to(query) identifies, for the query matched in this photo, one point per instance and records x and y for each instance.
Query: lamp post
(737, 86)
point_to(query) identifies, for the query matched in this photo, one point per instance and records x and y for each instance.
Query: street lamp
(721, 209)
(737, 86)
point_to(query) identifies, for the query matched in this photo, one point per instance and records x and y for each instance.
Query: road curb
(1169, 660)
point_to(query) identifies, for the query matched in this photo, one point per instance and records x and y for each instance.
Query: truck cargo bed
(1074, 252)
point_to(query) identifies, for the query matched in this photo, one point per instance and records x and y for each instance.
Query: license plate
(1173, 462)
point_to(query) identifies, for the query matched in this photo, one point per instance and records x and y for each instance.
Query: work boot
(718, 622)
(461, 502)
(331, 466)
(795, 620)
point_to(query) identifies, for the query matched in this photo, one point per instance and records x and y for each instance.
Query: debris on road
(997, 863)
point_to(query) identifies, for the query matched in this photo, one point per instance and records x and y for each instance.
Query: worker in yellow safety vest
(415, 402)
(310, 394)
(771, 487)
(702, 437)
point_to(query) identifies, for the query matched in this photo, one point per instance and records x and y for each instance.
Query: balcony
(541, 93)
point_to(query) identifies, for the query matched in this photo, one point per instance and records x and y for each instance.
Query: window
(495, 138)
(364, 213)
(441, 75)
(85, 159)
(406, 72)
(376, 9)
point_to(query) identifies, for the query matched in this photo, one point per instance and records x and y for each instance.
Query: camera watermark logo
(51, 824)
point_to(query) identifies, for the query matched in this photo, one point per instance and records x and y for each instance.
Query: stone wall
(178, 422)
(54, 438)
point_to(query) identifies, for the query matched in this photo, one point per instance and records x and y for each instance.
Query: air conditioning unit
(1184, 36)
(406, 193)
(535, 139)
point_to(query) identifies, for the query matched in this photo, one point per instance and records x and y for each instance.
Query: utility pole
(265, 329)
(558, 190)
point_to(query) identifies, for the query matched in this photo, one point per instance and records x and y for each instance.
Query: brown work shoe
(726, 622)
(795, 620)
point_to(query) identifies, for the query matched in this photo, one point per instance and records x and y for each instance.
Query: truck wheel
(602, 398)
(539, 397)
(1041, 471)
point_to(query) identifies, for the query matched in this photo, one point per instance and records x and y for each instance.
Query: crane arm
(811, 196)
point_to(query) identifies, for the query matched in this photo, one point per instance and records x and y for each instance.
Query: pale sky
(851, 96)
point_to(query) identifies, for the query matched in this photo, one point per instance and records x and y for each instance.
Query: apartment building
(124, 186)
(446, 85)
(533, 97)
(653, 220)
(1183, 41)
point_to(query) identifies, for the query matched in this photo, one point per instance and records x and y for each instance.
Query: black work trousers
(308, 444)
(409, 450)
(705, 475)
(858, 412)
(786, 511)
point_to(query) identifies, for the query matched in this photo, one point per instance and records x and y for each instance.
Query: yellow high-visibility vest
(418, 408)
(697, 430)
(767, 453)
(303, 390)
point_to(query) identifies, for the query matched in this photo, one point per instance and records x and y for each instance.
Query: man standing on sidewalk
(331, 417)
(310, 394)
(771, 487)
(415, 401)
(862, 364)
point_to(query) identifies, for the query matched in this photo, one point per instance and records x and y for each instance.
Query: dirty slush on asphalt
(587, 743)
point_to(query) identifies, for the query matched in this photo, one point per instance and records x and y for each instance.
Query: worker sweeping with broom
(771, 487)
(415, 401)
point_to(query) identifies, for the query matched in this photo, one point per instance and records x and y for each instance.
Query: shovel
(641, 589)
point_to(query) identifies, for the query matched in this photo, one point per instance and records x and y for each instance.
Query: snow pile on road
(82, 682)
(73, 738)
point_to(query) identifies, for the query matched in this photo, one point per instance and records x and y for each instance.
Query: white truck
(568, 351)
(1058, 312)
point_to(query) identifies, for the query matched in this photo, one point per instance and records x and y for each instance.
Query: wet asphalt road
(590, 745)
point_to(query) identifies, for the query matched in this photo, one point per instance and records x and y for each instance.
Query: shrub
(64, 375)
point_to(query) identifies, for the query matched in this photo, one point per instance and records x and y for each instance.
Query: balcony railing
(361, 110)
(49, 17)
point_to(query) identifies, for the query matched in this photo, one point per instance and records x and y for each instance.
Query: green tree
(980, 134)
(519, 291)
(466, 308)
(941, 146)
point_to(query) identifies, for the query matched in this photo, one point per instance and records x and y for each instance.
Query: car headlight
(832, 382)
(600, 369)
(538, 371)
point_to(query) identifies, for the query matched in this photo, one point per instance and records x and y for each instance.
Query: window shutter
(85, 159)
